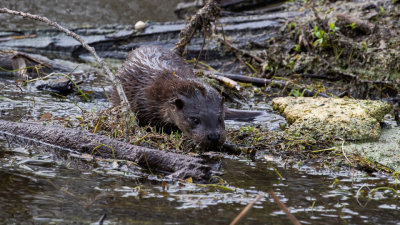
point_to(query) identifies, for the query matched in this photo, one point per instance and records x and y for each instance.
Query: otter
(163, 91)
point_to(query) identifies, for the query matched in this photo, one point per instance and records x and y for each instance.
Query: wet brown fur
(164, 92)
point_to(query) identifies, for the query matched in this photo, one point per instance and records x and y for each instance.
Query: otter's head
(199, 114)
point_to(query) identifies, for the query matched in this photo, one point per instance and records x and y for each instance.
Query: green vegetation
(320, 36)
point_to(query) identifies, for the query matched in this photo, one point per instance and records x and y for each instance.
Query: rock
(61, 86)
(385, 151)
(140, 25)
(327, 118)
(305, 63)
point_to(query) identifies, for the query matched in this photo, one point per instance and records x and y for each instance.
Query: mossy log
(177, 165)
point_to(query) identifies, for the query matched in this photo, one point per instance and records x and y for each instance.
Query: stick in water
(285, 209)
(246, 209)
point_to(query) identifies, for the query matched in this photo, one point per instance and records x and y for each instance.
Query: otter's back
(152, 61)
(142, 67)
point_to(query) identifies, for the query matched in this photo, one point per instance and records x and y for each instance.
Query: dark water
(75, 13)
(49, 192)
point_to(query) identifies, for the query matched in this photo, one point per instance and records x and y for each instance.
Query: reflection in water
(88, 12)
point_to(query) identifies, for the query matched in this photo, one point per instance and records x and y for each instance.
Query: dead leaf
(46, 116)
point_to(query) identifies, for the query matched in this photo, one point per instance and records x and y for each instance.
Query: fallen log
(176, 165)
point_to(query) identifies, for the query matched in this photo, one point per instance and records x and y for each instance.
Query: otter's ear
(178, 103)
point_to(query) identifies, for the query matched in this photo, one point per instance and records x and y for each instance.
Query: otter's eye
(195, 120)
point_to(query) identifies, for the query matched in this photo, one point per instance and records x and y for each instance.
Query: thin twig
(102, 218)
(283, 207)
(116, 82)
(304, 41)
(240, 51)
(262, 82)
(246, 209)
(344, 153)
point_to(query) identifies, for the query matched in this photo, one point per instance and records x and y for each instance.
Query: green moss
(326, 118)
(384, 151)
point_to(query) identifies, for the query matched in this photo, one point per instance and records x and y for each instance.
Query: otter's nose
(213, 136)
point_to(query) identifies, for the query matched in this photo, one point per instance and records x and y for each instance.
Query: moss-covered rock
(385, 151)
(327, 118)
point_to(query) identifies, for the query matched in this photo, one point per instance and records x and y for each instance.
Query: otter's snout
(214, 140)
(213, 137)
